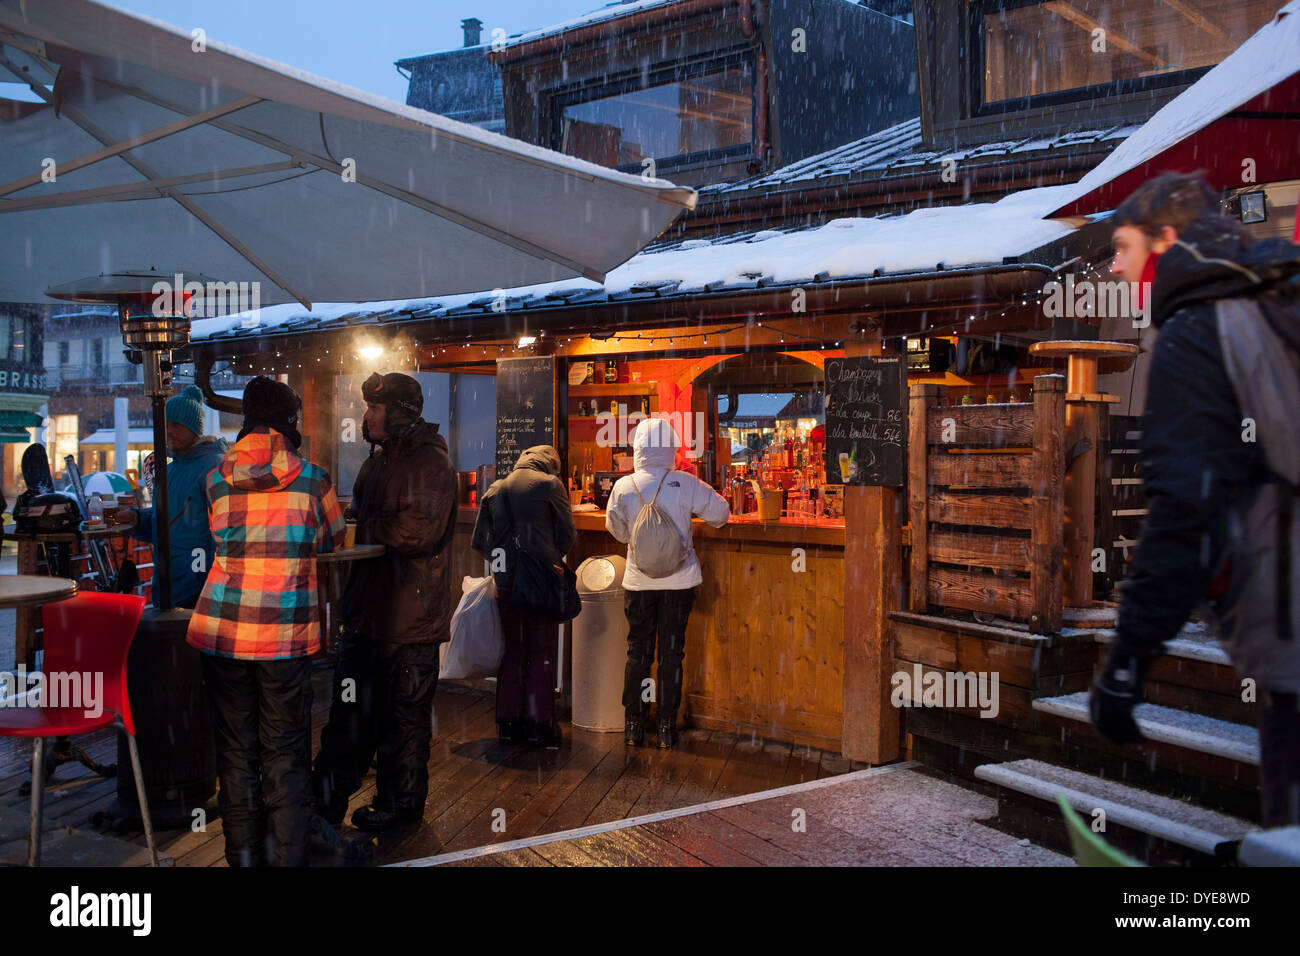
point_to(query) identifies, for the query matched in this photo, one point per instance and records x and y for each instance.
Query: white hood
(680, 494)
(654, 445)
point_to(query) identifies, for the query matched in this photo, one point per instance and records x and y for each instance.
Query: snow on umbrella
(150, 153)
(157, 150)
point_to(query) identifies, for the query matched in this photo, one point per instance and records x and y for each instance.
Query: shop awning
(15, 419)
(756, 410)
(227, 164)
(1240, 123)
(10, 435)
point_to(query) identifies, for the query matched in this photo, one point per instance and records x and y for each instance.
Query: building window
(63, 353)
(1034, 53)
(96, 352)
(13, 337)
(66, 438)
(673, 115)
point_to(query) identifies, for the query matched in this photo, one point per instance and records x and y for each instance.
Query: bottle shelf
(613, 389)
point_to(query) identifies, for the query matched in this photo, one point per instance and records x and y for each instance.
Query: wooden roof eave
(903, 303)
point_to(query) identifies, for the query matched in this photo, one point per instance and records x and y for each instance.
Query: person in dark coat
(1194, 460)
(396, 613)
(534, 495)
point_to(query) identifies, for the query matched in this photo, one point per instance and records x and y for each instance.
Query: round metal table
(26, 590)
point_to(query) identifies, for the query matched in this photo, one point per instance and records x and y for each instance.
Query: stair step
(1195, 642)
(1173, 821)
(1277, 847)
(1181, 728)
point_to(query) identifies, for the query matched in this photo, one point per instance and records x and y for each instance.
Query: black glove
(1114, 695)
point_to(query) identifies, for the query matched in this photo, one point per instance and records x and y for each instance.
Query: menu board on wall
(525, 408)
(866, 420)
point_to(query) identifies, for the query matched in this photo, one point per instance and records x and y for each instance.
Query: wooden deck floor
(900, 815)
(480, 792)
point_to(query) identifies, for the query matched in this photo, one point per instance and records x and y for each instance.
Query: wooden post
(873, 587)
(1105, 521)
(1081, 431)
(920, 399)
(1047, 504)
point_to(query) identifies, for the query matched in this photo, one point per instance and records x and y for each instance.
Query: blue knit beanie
(187, 409)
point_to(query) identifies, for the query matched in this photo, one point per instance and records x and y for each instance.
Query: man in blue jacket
(194, 456)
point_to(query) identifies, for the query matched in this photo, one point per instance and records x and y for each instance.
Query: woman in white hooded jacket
(658, 607)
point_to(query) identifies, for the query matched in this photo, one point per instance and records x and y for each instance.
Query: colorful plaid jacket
(271, 514)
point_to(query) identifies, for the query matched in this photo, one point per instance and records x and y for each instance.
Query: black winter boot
(667, 734)
(634, 732)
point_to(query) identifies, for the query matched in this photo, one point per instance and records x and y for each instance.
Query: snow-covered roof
(1266, 59)
(610, 11)
(943, 237)
(898, 150)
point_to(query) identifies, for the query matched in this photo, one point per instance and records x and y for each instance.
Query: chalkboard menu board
(525, 408)
(866, 420)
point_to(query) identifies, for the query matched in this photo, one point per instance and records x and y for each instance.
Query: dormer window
(1028, 53)
(676, 114)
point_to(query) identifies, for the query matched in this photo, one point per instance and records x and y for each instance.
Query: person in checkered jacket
(257, 623)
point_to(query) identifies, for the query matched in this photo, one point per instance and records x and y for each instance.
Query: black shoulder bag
(536, 586)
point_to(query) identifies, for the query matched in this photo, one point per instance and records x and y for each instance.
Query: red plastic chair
(87, 634)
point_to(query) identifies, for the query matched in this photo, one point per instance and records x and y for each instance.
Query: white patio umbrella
(157, 152)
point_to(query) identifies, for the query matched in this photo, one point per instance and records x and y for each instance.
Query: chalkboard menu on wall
(866, 420)
(525, 408)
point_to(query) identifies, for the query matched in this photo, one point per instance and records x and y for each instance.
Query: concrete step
(1161, 818)
(1180, 728)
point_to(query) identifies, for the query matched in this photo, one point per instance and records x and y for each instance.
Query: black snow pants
(381, 712)
(261, 718)
(651, 615)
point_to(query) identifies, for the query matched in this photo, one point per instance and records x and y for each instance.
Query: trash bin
(599, 645)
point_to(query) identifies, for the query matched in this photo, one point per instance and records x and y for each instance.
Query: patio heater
(164, 674)
(153, 310)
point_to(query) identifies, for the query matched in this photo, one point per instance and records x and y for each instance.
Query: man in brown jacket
(396, 613)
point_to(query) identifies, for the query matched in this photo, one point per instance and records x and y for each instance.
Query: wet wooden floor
(900, 815)
(480, 791)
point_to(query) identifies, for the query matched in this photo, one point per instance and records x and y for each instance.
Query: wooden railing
(985, 499)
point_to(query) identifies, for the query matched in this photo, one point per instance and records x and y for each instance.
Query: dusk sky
(354, 43)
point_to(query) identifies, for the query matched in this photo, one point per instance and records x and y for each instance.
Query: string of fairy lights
(405, 354)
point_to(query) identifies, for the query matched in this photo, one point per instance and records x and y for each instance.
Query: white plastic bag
(477, 643)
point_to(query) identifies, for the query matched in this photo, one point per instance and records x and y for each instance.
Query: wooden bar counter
(764, 647)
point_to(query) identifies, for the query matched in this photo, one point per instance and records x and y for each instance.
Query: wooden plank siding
(984, 505)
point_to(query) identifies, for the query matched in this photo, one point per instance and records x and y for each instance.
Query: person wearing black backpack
(1220, 460)
(528, 511)
(651, 510)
